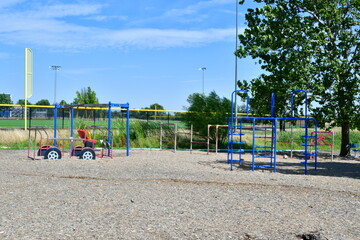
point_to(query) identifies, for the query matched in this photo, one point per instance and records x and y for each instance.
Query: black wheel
(52, 153)
(87, 153)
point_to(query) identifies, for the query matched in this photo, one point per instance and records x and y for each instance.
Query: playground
(76, 186)
(157, 194)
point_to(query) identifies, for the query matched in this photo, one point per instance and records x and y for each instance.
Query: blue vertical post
(274, 142)
(109, 128)
(272, 111)
(241, 140)
(55, 123)
(253, 145)
(306, 146)
(72, 126)
(72, 121)
(316, 143)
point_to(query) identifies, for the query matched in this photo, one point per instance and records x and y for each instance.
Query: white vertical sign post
(28, 81)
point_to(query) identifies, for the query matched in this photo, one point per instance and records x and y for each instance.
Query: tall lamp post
(236, 48)
(203, 78)
(56, 69)
(236, 41)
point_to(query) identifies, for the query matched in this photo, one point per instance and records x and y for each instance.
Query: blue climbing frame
(236, 133)
(124, 108)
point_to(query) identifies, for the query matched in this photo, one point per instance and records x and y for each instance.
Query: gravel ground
(167, 195)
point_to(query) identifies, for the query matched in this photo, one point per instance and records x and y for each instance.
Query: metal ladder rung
(308, 145)
(239, 143)
(236, 151)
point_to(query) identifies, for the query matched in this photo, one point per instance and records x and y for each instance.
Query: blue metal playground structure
(124, 108)
(52, 151)
(264, 146)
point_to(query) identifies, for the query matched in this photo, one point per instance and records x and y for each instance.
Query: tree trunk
(345, 139)
(282, 125)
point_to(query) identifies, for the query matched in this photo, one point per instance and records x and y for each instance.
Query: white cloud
(158, 38)
(46, 27)
(65, 10)
(8, 3)
(192, 9)
(103, 18)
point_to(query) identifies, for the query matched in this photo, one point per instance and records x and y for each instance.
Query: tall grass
(145, 134)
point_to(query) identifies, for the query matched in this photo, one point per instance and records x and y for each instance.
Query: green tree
(204, 110)
(157, 107)
(5, 99)
(309, 45)
(43, 102)
(22, 102)
(63, 102)
(148, 114)
(86, 96)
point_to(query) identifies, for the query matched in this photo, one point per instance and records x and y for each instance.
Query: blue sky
(137, 51)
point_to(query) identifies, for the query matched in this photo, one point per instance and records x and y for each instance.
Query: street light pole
(236, 41)
(203, 78)
(236, 48)
(55, 68)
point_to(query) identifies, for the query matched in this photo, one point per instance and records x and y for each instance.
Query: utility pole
(203, 78)
(56, 69)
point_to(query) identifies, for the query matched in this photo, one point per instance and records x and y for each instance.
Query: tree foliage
(43, 102)
(5, 99)
(63, 102)
(204, 110)
(22, 102)
(86, 96)
(148, 114)
(309, 45)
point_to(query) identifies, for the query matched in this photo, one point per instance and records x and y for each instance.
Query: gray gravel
(167, 195)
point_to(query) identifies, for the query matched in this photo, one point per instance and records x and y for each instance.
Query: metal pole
(236, 47)
(203, 78)
(55, 68)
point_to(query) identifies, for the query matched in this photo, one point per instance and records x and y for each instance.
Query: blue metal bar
(72, 121)
(72, 126)
(253, 144)
(55, 123)
(272, 111)
(274, 149)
